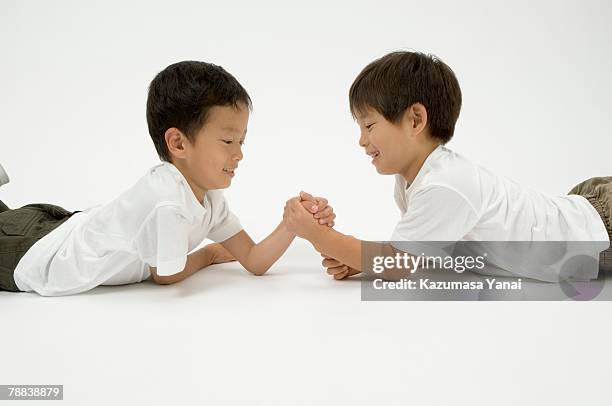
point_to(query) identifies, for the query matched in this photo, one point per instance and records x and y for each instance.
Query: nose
(238, 155)
(363, 139)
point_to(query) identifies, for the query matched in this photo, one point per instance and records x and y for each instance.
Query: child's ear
(175, 141)
(416, 118)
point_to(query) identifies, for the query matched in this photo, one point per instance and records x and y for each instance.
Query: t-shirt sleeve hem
(171, 267)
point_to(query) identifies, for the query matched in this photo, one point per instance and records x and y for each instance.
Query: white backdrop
(537, 99)
(74, 75)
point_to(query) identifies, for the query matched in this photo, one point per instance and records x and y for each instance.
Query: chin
(217, 185)
(383, 171)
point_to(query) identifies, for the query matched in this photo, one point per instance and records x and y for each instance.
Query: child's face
(213, 158)
(391, 146)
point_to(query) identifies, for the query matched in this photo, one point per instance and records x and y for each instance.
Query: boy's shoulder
(444, 171)
(161, 191)
(446, 168)
(161, 186)
(168, 187)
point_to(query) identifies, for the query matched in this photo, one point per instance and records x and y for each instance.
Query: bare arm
(258, 258)
(344, 248)
(346, 257)
(326, 240)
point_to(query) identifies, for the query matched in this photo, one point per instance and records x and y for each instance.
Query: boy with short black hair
(406, 105)
(197, 115)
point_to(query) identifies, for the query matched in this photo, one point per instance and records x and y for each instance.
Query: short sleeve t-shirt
(155, 223)
(452, 199)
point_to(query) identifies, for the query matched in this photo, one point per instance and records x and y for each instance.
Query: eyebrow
(233, 130)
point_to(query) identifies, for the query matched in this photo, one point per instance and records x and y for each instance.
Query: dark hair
(181, 96)
(396, 81)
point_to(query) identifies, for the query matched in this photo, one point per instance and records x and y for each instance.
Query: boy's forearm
(265, 253)
(342, 247)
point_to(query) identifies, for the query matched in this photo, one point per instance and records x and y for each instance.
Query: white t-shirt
(452, 199)
(156, 222)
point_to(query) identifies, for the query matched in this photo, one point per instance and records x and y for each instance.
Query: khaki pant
(19, 230)
(598, 191)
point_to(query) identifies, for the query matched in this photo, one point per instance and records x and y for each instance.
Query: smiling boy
(406, 105)
(197, 115)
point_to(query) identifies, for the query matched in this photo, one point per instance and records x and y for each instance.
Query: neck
(198, 191)
(412, 170)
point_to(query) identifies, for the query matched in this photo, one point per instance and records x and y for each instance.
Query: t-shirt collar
(437, 151)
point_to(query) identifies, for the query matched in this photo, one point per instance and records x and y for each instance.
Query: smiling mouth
(230, 172)
(374, 155)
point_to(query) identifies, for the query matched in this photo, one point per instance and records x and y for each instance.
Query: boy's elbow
(258, 271)
(161, 281)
